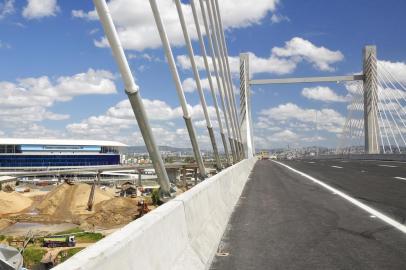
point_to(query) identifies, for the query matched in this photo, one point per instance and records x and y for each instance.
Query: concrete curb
(181, 234)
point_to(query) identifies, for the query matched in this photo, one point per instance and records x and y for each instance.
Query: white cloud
(257, 64)
(323, 93)
(277, 18)
(284, 136)
(36, 131)
(391, 94)
(137, 30)
(396, 69)
(189, 84)
(28, 99)
(36, 9)
(119, 120)
(6, 8)
(281, 61)
(327, 119)
(156, 110)
(321, 57)
(144, 56)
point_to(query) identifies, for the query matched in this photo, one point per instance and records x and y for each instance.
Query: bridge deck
(285, 221)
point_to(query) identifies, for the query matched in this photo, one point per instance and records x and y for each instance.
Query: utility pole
(132, 91)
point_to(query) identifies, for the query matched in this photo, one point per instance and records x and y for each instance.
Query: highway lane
(376, 183)
(285, 221)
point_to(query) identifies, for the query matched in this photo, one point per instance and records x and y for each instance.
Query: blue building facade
(17, 153)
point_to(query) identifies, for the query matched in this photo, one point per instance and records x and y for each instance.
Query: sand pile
(4, 223)
(70, 201)
(13, 202)
(114, 212)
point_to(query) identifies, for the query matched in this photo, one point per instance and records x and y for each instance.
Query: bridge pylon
(245, 107)
(370, 85)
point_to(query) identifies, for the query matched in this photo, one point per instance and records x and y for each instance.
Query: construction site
(32, 211)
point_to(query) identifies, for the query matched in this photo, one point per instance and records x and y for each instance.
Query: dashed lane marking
(337, 167)
(400, 178)
(350, 199)
(390, 166)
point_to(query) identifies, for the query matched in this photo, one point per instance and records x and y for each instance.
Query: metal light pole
(212, 90)
(132, 90)
(232, 94)
(219, 85)
(179, 88)
(217, 46)
(198, 83)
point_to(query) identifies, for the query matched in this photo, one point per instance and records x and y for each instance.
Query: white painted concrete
(182, 234)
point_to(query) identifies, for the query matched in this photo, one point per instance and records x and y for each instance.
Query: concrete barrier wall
(181, 234)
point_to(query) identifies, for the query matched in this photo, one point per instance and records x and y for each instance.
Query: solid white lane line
(355, 202)
(390, 166)
(400, 178)
(338, 167)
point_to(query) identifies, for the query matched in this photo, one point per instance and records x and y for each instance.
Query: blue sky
(58, 78)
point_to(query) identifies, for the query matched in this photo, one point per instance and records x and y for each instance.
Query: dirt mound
(4, 223)
(114, 212)
(13, 202)
(70, 201)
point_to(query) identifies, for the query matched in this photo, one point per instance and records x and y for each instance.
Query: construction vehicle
(142, 208)
(59, 241)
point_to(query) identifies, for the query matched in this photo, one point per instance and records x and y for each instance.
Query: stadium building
(58, 153)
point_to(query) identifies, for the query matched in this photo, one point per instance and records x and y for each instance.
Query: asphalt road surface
(285, 221)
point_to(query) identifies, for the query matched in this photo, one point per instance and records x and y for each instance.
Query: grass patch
(33, 256)
(66, 254)
(2, 238)
(71, 231)
(88, 237)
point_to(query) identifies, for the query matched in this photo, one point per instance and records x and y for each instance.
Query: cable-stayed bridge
(305, 214)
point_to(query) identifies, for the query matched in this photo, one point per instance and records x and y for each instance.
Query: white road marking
(355, 202)
(311, 162)
(338, 167)
(400, 178)
(390, 166)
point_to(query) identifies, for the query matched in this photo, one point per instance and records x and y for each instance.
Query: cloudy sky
(58, 78)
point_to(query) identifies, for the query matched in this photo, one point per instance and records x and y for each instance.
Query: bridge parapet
(184, 233)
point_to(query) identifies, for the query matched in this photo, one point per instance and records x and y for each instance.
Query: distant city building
(58, 153)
